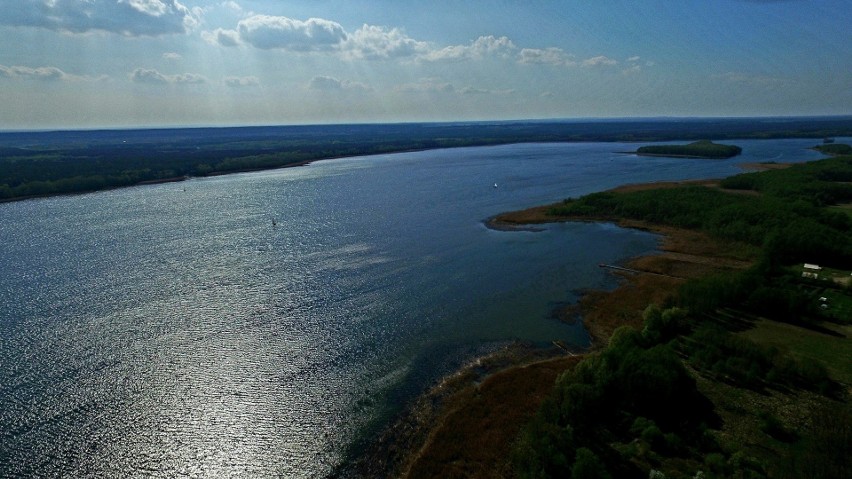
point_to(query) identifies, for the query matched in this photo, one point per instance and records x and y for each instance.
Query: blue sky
(121, 63)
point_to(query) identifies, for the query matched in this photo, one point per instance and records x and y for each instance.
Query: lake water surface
(172, 330)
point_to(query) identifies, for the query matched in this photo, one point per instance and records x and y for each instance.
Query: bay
(174, 330)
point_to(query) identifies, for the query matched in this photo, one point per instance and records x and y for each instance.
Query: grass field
(833, 351)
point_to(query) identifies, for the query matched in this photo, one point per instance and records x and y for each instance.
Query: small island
(698, 149)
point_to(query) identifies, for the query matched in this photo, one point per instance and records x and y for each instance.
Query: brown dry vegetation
(685, 254)
(473, 436)
(765, 166)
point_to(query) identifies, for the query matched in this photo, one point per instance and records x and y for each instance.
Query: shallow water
(173, 330)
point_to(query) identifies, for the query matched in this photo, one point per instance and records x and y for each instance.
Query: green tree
(587, 465)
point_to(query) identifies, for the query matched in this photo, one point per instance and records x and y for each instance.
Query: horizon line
(428, 122)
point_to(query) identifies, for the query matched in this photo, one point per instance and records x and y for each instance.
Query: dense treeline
(45, 163)
(698, 149)
(787, 218)
(619, 405)
(634, 407)
(818, 183)
(834, 149)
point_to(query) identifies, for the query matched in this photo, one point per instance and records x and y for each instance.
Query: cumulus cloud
(547, 56)
(318, 35)
(427, 85)
(599, 61)
(153, 77)
(270, 32)
(232, 5)
(374, 42)
(329, 84)
(241, 82)
(123, 17)
(479, 48)
(220, 36)
(40, 73)
(43, 73)
(370, 42)
(172, 56)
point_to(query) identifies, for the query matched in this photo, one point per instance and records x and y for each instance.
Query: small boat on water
(495, 185)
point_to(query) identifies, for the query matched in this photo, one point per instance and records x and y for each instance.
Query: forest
(48, 163)
(697, 149)
(766, 342)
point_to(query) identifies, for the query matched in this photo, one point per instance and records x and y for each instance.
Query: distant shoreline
(44, 164)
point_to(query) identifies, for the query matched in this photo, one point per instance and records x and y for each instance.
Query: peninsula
(717, 358)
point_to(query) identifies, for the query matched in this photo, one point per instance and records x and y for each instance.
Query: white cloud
(40, 73)
(599, 61)
(635, 66)
(124, 17)
(374, 42)
(43, 73)
(143, 75)
(172, 56)
(479, 48)
(233, 6)
(269, 32)
(632, 70)
(482, 91)
(427, 85)
(748, 79)
(491, 45)
(219, 36)
(241, 82)
(154, 8)
(328, 84)
(370, 42)
(438, 85)
(547, 56)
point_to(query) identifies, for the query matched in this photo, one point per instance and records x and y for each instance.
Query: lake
(173, 330)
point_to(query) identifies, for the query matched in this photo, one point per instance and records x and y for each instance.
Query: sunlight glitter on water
(157, 331)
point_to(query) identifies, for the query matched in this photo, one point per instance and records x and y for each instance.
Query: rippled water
(173, 330)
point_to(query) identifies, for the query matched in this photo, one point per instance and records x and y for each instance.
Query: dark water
(173, 330)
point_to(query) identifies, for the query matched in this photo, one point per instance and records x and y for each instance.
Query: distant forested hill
(48, 163)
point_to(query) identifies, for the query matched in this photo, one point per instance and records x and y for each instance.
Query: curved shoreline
(425, 424)
(423, 451)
